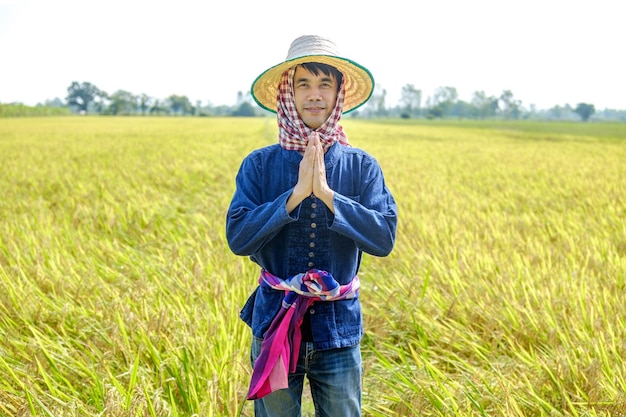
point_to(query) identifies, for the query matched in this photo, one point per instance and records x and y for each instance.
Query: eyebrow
(305, 79)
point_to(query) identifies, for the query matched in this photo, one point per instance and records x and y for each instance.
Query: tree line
(86, 98)
(445, 103)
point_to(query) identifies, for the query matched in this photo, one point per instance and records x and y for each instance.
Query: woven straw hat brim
(359, 82)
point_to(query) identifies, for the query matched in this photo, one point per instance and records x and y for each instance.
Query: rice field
(503, 297)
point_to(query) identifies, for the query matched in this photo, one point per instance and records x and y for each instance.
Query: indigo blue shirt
(258, 225)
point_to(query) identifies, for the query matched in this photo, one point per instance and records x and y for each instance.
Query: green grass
(503, 297)
(22, 110)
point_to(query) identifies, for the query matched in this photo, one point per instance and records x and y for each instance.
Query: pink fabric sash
(281, 345)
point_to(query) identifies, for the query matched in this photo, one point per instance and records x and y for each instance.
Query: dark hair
(316, 67)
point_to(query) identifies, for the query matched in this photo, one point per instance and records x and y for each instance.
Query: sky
(546, 52)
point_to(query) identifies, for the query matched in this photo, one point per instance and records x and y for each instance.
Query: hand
(321, 189)
(311, 176)
(304, 186)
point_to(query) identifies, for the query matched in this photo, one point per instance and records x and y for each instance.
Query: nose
(315, 95)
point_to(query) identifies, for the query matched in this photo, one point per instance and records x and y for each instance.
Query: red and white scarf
(293, 133)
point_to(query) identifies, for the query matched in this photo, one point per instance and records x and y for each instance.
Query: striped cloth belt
(281, 345)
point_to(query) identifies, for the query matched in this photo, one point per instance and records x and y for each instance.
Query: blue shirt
(258, 225)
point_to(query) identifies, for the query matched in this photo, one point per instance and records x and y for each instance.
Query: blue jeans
(335, 381)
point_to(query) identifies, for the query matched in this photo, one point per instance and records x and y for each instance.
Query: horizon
(546, 54)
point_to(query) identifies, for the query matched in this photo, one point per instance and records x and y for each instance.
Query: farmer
(305, 210)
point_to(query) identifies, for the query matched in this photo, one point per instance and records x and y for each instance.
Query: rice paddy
(503, 297)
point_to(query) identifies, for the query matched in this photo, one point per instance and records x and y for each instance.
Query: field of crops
(504, 295)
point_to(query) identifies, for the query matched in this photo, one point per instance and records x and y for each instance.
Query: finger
(310, 147)
(319, 160)
(314, 138)
(311, 140)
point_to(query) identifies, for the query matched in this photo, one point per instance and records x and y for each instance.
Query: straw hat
(359, 82)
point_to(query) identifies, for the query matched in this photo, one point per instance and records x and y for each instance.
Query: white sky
(546, 52)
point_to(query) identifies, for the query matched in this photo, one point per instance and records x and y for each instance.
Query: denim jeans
(334, 377)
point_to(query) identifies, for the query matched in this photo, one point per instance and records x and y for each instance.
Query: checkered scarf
(293, 134)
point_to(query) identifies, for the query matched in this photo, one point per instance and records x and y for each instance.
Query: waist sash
(281, 345)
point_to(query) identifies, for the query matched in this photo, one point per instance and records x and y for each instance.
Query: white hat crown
(311, 45)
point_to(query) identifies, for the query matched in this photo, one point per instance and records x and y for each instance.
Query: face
(315, 96)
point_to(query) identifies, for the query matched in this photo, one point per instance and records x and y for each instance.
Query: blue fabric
(333, 376)
(258, 225)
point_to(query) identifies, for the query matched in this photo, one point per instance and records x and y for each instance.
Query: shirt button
(313, 205)
(311, 255)
(313, 225)
(312, 245)
(313, 215)
(312, 235)
(311, 264)
(312, 311)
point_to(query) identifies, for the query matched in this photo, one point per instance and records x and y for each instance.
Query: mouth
(315, 109)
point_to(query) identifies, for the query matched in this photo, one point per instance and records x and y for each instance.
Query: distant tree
(240, 98)
(461, 109)
(435, 112)
(122, 102)
(375, 106)
(611, 114)
(157, 108)
(100, 103)
(558, 112)
(179, 104)
(443, 101)
(380, 103)
(585, 110)
(411, 100)
(245, 109)
(484, 106)
(511, 107)
(81, 95)
(243, 97)
(56, 102)
(144, 101)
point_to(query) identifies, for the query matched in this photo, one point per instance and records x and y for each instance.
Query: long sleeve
(369, 217)
(251, 221)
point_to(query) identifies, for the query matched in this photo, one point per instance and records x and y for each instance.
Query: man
(305, 210)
